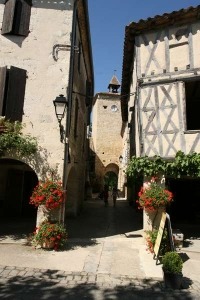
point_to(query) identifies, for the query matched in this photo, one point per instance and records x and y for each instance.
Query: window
(16, 17)
(12, 90)
(192, 92)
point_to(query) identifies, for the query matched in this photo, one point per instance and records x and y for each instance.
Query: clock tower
(106, 136)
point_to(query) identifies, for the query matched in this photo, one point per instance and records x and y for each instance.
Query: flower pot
(173, 281)
(48, 244)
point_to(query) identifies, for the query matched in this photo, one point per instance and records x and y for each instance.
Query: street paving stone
(108, 264)
(29, 283)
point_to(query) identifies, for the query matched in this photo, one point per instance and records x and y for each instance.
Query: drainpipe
(69, 99)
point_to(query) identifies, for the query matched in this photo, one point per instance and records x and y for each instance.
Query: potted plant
(172, 269)
(153, 196)
(50, 236)
(48, 193)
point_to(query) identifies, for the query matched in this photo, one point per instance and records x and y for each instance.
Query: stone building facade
(161, 69)
(106, 136)
(46, 51)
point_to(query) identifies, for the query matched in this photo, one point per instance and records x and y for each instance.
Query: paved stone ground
(105, 258)
(31, 284)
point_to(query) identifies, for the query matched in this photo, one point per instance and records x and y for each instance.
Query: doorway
(186, 205)
(17, 181)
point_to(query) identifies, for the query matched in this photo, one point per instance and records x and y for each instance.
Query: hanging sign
(164, 219)
(160, 234)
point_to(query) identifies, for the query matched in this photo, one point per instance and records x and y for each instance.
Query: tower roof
(114, 84)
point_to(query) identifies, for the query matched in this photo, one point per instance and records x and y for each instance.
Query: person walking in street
(114, 195)
(105, 194)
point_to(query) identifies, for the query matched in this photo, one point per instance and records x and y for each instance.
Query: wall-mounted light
(120, 159)
(60, 104)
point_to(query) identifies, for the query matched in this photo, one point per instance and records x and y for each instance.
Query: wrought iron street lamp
(60, 104)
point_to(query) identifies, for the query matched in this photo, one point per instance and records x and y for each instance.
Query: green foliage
(188, 165)
(172, 263)
(12, 139)
(181, 165)
(143, 165)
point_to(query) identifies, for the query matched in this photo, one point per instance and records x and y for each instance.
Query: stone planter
(151, 219)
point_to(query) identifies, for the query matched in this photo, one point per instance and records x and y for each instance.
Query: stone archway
(111, 175)
(110, 179)
(17, 181)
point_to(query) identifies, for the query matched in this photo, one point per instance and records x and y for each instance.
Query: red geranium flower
(49, 193)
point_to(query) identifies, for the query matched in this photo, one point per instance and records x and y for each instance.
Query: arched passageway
(17, 181)
(111, 179)
(111, 175)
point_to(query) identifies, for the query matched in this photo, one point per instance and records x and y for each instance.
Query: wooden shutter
(25, 18)
(15, 94)
(8, 17)
(17, 17)
(2, 88)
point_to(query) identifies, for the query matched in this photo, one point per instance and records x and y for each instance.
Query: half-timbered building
(160, 94)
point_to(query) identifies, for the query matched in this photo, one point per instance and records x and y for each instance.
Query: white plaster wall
(50, 24)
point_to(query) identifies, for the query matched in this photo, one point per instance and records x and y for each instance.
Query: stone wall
(47, 76)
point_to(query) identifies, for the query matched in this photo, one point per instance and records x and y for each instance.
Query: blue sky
(108, 19)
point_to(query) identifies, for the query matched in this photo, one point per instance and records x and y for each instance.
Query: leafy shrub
(172, 263)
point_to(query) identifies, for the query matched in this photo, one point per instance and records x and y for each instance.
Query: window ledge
(192, 131)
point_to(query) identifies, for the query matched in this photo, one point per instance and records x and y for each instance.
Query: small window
(192, 92)
(12, 91)
(16, 17)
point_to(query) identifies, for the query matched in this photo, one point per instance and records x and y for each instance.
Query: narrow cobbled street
(105, 258)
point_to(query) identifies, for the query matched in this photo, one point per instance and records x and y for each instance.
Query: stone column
(44, 214)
